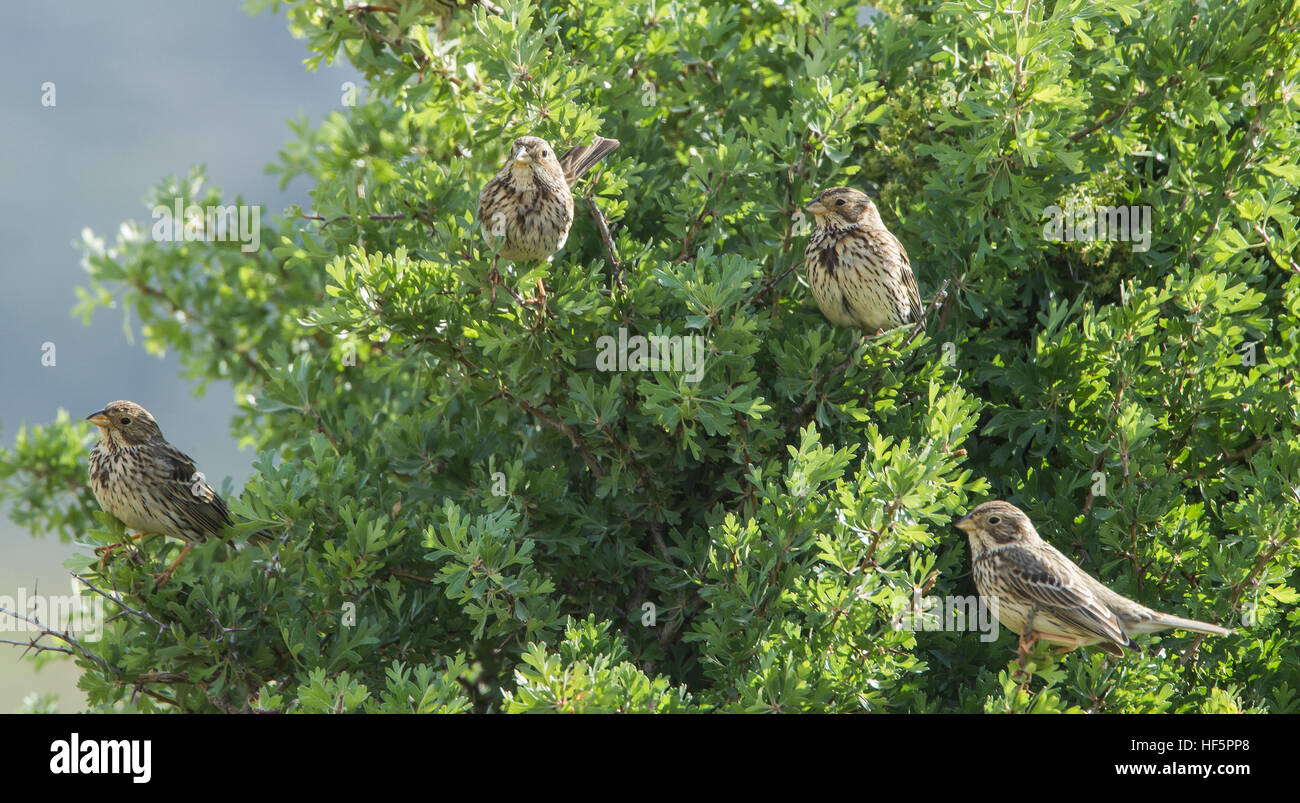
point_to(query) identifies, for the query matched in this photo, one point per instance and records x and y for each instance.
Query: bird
(151, 486)
(858, 271)
(1040, 593)
(527, 208)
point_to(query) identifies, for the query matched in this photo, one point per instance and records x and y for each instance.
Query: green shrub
(472, 516)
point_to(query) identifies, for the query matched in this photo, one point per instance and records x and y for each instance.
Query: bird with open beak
(150, 485)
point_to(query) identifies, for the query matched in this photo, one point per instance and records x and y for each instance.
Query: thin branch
(550, 421)
(917, 328)
(560, 426)
(211, 331)
(699, 219)
(119, 603)
(330, 221)
(1110, 118)
(320, 426)
(40, 648)
(605, 237)
(66, 638)
(938, 299)
(770, 284)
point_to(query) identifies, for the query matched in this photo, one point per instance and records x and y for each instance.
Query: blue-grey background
(144, 90)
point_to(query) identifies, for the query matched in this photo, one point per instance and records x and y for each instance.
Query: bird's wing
(483, 196)
(203, 508)
(909, 280)
(1050, 580)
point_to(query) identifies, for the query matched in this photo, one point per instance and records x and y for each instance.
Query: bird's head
(534, 156)
(123, 424)
(994, 524)
(840, 207)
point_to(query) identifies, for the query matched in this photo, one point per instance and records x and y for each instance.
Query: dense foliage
(472, 516)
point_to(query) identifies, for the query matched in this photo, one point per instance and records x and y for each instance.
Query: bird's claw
(107, 550)
(160, 579)
(1025, 648)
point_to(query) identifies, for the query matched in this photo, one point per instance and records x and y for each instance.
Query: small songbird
(150, 485)
(858, 271)
(1040, 593)
(527, 208)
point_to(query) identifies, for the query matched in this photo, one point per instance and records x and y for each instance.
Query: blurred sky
(144, 90)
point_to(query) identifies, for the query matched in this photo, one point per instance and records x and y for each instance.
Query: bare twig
(39, 648)
(773, 282)
(75, 647)
(603, 228)
(119, 603)
(329, 221)
(938, 299)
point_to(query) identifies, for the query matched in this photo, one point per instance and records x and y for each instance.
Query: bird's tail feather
(259, 538)
(1197, 627)
(584, 157)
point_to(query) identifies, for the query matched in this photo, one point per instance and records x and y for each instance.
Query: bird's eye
(126, 421)
(840, 202)
(546, 154)
(994, 519)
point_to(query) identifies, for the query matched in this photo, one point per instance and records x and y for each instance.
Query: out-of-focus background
(142, 91)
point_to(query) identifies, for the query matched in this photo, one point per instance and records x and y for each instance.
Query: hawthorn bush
(473, 516)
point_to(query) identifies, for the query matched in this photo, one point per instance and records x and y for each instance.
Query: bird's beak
(815, 207)
(522, 157)
(99, 419)
(965, 524)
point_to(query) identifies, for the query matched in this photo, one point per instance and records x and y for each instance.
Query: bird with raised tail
(526, 210)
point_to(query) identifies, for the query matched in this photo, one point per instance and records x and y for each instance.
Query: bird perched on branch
(150, 485)
(527, 208)
(859, 273)
(1040, 593)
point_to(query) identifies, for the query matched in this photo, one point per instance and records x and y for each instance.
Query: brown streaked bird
(527, 208)
(150, 485)
(1040, 593)
(859, 273)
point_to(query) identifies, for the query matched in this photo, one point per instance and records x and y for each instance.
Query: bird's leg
(540, 303)
(105, 551)
(494, 281)
(1025, 647)
(1028, 638)
(162, 577)
(494, 278)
